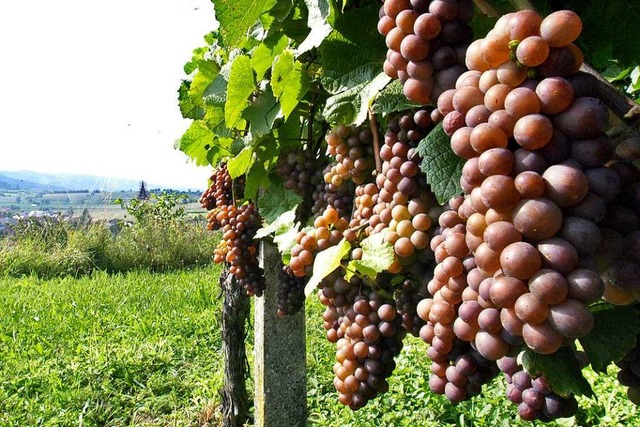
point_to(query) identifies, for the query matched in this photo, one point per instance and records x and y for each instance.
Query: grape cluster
(352, 148)
(407, 299)
(238, 246)
(427, 40)
(328, 195)
(461, 373)
(526, 184)
(290, 293)
(366, 197)
(402, 209)
(534, 397)
(328, 231)
(618, 255)
(368, 333)
(218, 195)
(299, 170)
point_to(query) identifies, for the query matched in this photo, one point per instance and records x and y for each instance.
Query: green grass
(143, 349)
(120, 350)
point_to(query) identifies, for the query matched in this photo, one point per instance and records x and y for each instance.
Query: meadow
(143, 349)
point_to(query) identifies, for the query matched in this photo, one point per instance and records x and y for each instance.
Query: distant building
(143, 193)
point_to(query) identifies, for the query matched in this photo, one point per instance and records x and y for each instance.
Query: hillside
(29, 180)
(10, 183)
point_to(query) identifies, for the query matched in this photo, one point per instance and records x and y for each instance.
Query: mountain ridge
(31, 180)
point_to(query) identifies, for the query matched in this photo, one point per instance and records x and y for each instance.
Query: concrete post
(280, 355)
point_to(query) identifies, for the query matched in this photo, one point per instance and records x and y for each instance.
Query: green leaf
(188, 108)
(241, 163)
(276, 201)
(207, 72)
(237, 17)
(392, 99)
(352, 106)
(198, 55)
(325, 263)
(281, 10)
(241, 86)
(284, 229)
(561, 369)
(216, 93)
(287, 219)
(196, 142)
(264, 54)
(441, 165)
(377, 254)
(288, 81)
(354, 52)
(613, 335)
(319, 11)
(262, 113)
(256, 178)
(610, 30)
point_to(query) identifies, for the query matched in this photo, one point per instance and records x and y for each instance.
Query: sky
(90, 87)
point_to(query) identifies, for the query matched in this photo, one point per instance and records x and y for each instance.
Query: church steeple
(143, 194)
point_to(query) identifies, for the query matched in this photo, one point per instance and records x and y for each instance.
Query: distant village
(64, 209)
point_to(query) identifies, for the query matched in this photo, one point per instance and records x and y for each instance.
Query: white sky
(90, 86)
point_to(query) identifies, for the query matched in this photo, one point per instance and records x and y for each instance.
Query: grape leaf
(441, 165)
(207, 72)
(352, 54)
(241, 85)
(240, 164)
(284, 230)
(196, 58)
(614, 333)
(561, 369)
(281, 10)
(610, 30)
(276, 201)
(216, 93)
(237, 17)
(263, 55)
(377, 255)
(319, 10)
(188, 107)
(256, 178)
(288, 81)
(352, 105)
(262, 113)
(325, 263)
(391, 99)
(196, 142)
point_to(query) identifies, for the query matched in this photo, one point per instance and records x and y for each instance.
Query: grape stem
(373, 123)
(621, 105)
(487, 8)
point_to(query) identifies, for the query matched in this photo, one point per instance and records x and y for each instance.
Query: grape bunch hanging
(239, 225)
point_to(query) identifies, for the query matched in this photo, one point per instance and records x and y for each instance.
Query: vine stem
(522, 4)
(373, 123)
(487, 8)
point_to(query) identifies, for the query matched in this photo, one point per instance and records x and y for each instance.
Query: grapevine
(474, 190)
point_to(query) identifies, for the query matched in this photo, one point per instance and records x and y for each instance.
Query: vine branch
(373, 123)
(487, 8)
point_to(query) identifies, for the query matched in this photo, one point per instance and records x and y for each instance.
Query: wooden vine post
(235, 312)
(280, 355)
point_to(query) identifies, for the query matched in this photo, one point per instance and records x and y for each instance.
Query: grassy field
(123, 350)
(143, 349)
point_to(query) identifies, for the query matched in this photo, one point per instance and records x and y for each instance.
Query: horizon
(101, 181)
